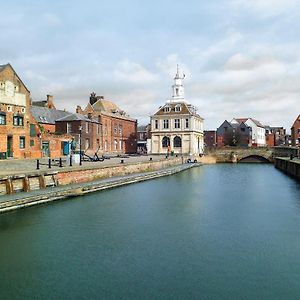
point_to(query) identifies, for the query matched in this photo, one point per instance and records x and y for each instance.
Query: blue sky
(241, 57)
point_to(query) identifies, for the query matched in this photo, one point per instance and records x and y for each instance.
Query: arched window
(177, 142)
(165, 142)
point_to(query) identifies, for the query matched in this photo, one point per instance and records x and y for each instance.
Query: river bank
(22, 200)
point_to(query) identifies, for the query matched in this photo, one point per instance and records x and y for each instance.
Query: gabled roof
(109, 108)
(75, 117)
(244, 120)
(105, 105)
(47, 115)
(186, 109)
(2, 67)
(296, 121)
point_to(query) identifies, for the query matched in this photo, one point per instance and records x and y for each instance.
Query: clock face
(9, 88)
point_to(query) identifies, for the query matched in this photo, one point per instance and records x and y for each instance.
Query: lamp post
(80, 158)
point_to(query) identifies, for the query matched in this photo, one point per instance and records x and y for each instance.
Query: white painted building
(258, 131)
(176, 126)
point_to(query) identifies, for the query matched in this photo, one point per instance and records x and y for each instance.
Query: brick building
(45, 140)
(275, 136)
(118, 130)
(143, 134)
(14, 114)
(295, 132)
(210, 139)
(84, 130)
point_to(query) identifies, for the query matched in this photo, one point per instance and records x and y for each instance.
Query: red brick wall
(15, 132)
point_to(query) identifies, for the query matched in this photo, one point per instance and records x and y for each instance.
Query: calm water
(214, 232)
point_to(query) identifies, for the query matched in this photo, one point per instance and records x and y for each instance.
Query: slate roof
(42, 103)
(186, 109)
(76, 117)
(142, 128)
(47, 115)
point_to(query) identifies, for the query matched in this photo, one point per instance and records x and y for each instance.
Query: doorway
(9, 146)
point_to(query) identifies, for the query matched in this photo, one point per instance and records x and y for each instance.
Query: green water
(214, 232)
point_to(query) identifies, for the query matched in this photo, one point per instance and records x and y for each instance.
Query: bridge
(264, 155)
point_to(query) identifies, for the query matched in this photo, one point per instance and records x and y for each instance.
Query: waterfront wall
(65, 192)
(69, 177)
(37, 180)
(288, 166)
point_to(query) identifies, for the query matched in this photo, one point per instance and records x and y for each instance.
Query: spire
(178, 87)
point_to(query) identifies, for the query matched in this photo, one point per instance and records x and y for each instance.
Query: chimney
(78, 109)
(50, 103)
(93, 98)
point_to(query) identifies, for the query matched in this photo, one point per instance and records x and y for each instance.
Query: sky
(241, 58)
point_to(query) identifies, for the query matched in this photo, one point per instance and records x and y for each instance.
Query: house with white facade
(176, 126)
(258, 130)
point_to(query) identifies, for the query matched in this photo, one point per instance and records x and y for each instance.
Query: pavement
(21, 166)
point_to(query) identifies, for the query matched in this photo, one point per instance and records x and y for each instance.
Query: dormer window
(178, 108)
(167, 109)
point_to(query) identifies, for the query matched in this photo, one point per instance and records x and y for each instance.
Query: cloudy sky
(241, 57)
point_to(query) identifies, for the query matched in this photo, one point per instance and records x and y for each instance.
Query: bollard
(122, 161)
(37, 164)
(71, 163)
(150, 159)
(60, 162)
(49, 163)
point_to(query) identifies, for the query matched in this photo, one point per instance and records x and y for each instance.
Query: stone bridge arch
(254, 159)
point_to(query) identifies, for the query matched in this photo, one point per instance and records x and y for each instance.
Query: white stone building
(176, 126)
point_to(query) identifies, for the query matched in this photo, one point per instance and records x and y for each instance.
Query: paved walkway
(18, 166)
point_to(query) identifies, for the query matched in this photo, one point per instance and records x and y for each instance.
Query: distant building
(257, 128)
(234, 134)
(275, 136)
(176, 126)
(143, 134)
(210, 139)
(295, 132)
(118, 130)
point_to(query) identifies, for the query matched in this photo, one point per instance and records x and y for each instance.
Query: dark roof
(142, 128)
(75, 117)
(186, 109)
(42, 103)
(47, 115)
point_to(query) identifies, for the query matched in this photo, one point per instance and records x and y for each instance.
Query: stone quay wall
(289, 166)
(87, 175)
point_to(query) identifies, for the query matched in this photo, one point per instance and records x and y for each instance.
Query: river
(215, 232)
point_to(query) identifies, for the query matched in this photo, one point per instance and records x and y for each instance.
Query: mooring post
(37, 164)
(71, 163)
(49, 163)
(60, 162)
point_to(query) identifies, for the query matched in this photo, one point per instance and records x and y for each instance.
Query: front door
(9, 146)
(46, 149)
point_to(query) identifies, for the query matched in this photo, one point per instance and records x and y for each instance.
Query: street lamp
(80, 157)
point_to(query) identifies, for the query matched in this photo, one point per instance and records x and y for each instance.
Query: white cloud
(135, 73)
